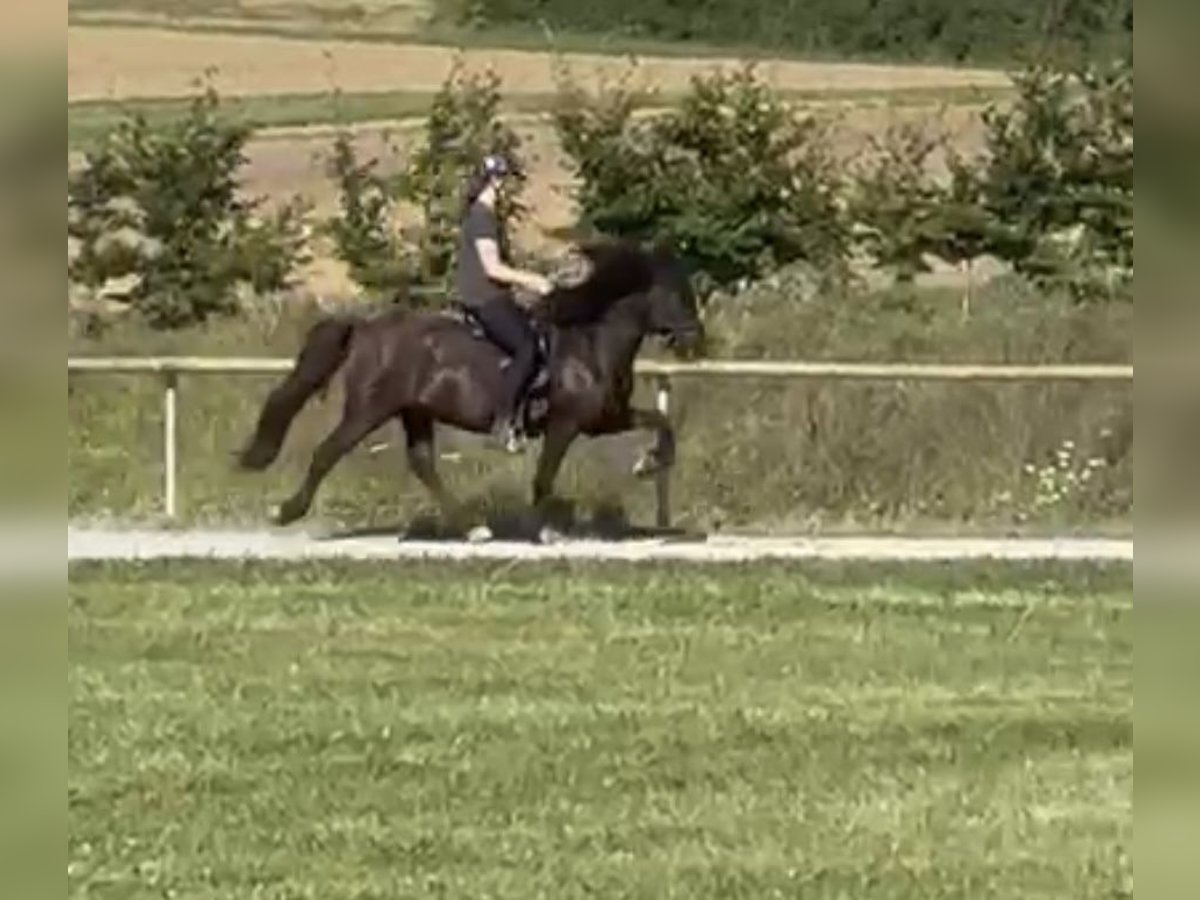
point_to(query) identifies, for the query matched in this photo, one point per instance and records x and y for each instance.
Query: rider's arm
(498, 270)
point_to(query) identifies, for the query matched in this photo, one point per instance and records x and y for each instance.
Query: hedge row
(744, 186)
(978, 30)
(732, 177)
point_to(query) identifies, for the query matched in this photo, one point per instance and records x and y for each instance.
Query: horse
(433, 367)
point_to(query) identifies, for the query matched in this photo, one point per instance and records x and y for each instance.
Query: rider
(485, 283)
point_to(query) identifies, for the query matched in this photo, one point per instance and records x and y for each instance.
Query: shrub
(463, 125)
(363, 234)
(895, 203)
(904, 215)
(732, 177)
(1051, 194)
(1056, 178)
(159, 208)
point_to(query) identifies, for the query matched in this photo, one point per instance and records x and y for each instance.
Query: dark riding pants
(508, 326)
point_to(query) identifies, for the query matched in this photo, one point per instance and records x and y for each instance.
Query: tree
(896, 204)
(462, 127)
(363, 234)
(159, 207)
(1057, 178)
(732, 177)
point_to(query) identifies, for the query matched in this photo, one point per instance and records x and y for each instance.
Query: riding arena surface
(97, 544)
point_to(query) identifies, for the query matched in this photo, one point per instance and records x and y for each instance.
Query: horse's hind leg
(358, 420)
(418, 434)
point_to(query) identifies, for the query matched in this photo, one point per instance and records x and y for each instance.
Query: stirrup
(510, 439)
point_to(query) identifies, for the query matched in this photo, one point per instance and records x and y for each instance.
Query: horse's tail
(325, 349)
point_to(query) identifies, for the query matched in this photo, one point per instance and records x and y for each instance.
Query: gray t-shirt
(473, 285)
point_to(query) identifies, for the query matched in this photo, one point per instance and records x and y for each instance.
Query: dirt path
(122, 62)
(84, 544)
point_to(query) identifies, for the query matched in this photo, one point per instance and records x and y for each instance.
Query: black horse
(432, 367)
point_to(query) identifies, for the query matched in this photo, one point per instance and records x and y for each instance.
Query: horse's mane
(618, 269)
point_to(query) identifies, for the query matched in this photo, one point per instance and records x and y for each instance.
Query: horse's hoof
(480, 534)
(283, 515)
(647, 465)
(548, 535)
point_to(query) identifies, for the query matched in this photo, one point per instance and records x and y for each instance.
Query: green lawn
(510, 731)
(89, 121)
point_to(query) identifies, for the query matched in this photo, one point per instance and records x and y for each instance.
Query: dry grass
(115, 62)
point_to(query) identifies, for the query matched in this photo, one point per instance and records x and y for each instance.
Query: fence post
(170, 437)
(662, 480)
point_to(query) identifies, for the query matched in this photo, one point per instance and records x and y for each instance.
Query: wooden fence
(171, 369)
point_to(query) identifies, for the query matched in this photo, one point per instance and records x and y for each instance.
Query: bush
(904, 215)
(363, 234)
(1051, 194)
(158, 209)
(463, 125)
(896, 205)
(731, 176)
(899, 29)
(1057, 178)
(744, 187)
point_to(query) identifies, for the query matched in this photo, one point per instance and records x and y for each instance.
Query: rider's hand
(540, 284)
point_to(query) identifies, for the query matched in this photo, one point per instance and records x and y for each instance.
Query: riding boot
(507, 325)
(506, 431)
(508, 426)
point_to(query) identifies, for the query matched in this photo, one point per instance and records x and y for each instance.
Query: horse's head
(674, 312)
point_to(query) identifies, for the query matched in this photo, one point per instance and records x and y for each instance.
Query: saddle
(534, 403)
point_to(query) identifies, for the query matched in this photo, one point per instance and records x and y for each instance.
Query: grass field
(816, 731)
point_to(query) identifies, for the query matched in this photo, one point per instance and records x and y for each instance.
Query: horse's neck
(620, 344)
(613, 342)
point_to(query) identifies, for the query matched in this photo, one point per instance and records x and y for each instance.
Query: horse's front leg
(656, 460)
(661, 454)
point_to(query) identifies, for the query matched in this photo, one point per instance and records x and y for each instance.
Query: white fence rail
(171, 368)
